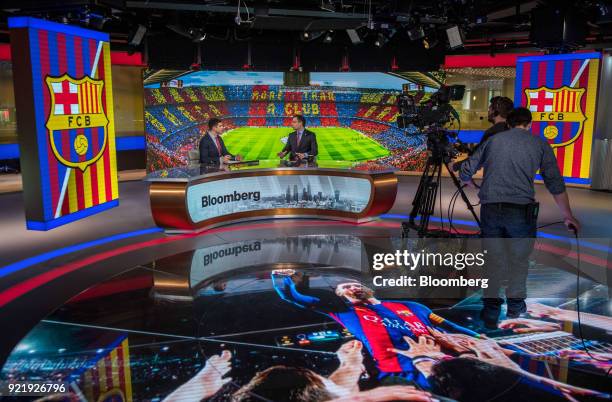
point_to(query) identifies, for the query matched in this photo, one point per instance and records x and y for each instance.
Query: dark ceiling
(486, 26)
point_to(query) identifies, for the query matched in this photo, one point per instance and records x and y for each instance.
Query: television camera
(430, 117)
(435, 111)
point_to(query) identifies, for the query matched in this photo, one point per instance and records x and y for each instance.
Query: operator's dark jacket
(209, 154)
(510, 160)
(491, 131)
(308, 144)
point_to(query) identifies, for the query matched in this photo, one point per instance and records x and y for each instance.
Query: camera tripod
(424, 201)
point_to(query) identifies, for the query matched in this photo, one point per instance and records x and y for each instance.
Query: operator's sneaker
(516, 308)
(489, 318)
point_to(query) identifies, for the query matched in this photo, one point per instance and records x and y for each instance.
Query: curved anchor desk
(197, 198)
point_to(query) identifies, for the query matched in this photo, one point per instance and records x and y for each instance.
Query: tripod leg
(462, 193)
(426, 178)
(417, 200)
(429, 198)
(425, 198)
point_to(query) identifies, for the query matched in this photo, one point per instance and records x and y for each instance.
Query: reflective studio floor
(159, 326)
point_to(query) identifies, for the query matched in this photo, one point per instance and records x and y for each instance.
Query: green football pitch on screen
(335, 143)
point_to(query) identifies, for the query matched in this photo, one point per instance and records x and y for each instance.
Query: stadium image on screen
(352, 114)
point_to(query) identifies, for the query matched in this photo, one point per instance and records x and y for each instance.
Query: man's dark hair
(502, 105)
(213, 122)
(472, 380)
(301, 118)
(519, 116)
(282, 383)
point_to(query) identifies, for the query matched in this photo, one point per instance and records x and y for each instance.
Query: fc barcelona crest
(77, 123)
(559, 111)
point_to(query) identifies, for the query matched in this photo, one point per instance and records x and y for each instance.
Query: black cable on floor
(586, 349)
(451, 211)
(451, 208)
(578, 255)
(441, 214)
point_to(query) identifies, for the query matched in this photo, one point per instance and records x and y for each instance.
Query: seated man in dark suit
(212, 147)
(301, 144)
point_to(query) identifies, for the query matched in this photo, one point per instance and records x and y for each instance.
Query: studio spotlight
(416, 33)
(199, 36)
(194, 34)
(238, 18)
(328, 5)
(136, 37)
(455, 38)
(308, 36)
(430, 42)
(354, 36)
(328, 37)
(98, 21)
(381, 40)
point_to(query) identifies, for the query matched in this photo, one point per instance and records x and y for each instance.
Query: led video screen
(66, 121)
(561, 92)
(352, 114)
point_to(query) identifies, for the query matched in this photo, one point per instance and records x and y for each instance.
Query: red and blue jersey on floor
(378, 326)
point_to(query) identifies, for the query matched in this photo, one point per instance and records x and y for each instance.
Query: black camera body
(431, 116)
(435, 111)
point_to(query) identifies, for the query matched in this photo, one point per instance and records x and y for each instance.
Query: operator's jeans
(508, 236)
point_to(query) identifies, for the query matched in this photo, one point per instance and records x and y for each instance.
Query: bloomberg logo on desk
(213, 199)
(233, 197)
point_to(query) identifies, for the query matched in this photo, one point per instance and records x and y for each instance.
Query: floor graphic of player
(380, 325)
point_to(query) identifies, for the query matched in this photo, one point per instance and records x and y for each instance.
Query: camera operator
(499, 107)
(497, 114)
(507, 194)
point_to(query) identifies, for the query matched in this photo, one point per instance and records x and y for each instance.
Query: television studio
(305, 200)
